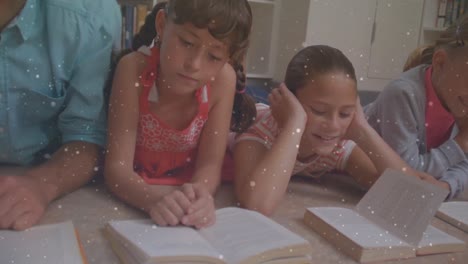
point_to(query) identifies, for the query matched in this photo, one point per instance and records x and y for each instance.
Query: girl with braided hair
(171, 105)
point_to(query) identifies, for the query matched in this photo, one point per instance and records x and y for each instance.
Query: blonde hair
(421, 55)
(452, 38)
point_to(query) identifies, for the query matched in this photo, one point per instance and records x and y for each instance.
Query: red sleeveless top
(439, 122)
(164, 155)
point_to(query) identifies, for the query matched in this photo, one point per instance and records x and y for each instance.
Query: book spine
(123, 34)
(462, 8)
(448, 13)
(142, 12)
(456, 11)
(135, 18)
(128, 26)
(440, 21)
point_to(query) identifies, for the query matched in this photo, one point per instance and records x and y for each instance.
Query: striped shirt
(265, 130)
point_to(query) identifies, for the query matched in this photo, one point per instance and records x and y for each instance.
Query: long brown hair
(451, 40)
(313, 61)
(229, 21)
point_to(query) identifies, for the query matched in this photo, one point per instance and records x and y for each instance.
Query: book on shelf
(454, 213)
(54, 243)
(391, 221)
(239, 236)
(449, 11)
(134, 13)
(442, 9)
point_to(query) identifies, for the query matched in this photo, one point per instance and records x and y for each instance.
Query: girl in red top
(171, 105)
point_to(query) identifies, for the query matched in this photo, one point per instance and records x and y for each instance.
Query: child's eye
(316, 111)
(186, 43)
(345, 115)
(214, 58)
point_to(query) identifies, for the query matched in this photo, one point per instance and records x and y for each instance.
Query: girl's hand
(286, 109)
(432, 180)
(170, 209)
(358, 124)
(201, 212)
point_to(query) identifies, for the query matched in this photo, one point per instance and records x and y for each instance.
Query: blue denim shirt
(54, 61)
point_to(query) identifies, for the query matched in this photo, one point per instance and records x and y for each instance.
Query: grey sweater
(398, 115)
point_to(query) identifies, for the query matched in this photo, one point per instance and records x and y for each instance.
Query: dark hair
(452, 38)
(227, 20)
(313, 61)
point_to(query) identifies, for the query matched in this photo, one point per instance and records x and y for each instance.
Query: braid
(244, 111)
(144, 37)
(148, 31)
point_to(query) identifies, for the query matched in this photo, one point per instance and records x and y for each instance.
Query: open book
(455, 213)
(55, 243)
(239, 236)
(390, 222)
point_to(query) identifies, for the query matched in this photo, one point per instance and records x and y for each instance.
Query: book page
(239, 234)
(401, 204)
(148, 240)
(455, 213)
(55, 243)
(357, 228)
(434, 236)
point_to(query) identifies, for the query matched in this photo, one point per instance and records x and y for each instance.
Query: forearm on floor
(381, 154)
(72, 166)
(269, 179)
(132, 189)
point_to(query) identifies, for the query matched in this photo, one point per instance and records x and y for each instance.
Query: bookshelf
(438, 15)
(133, 17)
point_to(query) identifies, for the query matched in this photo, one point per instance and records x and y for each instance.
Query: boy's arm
(372, 155)
(24, 199)
(397, 117)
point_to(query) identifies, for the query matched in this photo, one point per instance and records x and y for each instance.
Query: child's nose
(332, 124)
(193, 62)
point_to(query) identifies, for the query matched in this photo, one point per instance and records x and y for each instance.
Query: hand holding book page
(390, 222)
(402, 205)
(239, 236)
(54, 243)
(454, 213)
